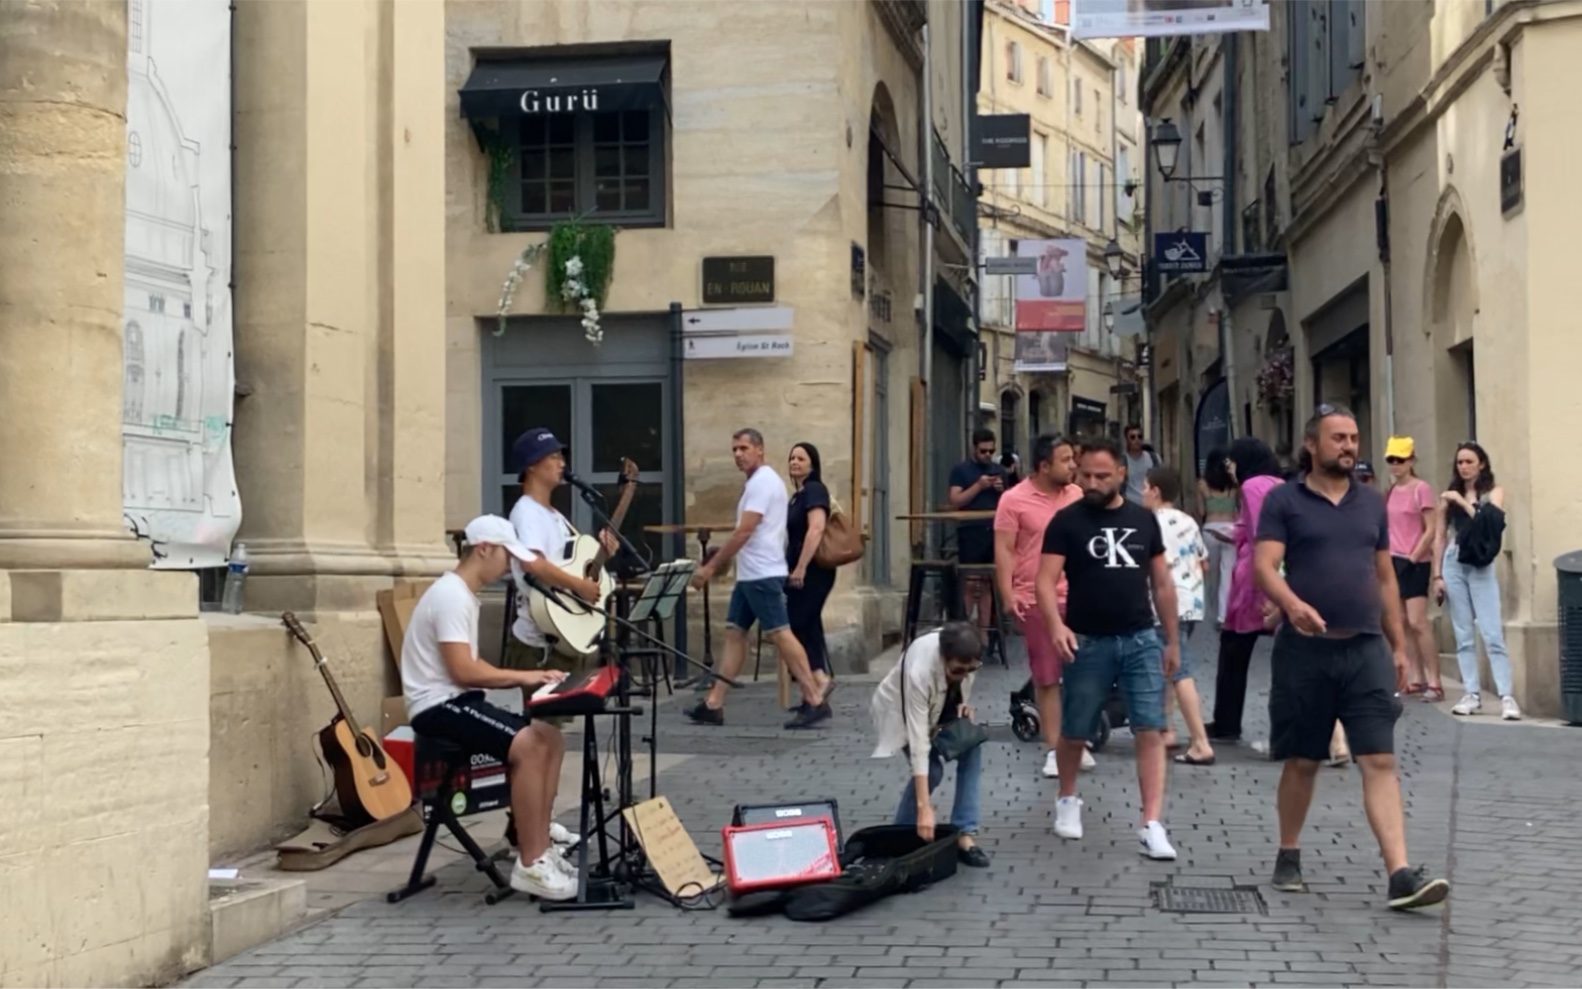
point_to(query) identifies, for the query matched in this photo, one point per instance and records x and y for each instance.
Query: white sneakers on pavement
(1052, 770)
(1156, 842)
(559, 834)
(1068, 817)
(1509, 710)
(1468, 704)
(546, 878)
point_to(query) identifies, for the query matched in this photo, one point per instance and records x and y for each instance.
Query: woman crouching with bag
(922, 709)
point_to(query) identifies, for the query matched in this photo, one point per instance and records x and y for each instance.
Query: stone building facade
(1395, 241)
(372, 397)
(1084, 181)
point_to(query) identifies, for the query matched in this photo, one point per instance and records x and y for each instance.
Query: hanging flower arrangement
(1277, 379)
(581, 259)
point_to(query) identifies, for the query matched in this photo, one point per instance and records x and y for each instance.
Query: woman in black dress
(808, 586)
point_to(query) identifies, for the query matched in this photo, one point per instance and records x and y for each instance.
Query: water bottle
(235, 577)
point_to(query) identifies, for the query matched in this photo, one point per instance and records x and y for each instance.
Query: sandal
(1433, 695)
(1415, 688)
(1187, 759)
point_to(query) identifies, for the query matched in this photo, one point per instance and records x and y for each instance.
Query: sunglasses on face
(985, 451)
(1395, 461)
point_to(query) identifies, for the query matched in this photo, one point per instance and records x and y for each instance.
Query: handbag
(956, 738)
(842, 540)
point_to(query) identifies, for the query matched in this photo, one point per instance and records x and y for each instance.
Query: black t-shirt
(812, 494)
(1109, 557)
(1331, 551)
(975, 540)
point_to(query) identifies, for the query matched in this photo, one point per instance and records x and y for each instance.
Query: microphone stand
(594, 499)
(630, 849)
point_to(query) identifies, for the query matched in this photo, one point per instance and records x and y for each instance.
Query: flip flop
(1416, 688)
(1433, 695)
(1189, 760)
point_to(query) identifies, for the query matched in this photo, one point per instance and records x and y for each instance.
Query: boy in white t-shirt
(759, 596)
(1187, 555)
(444, 679)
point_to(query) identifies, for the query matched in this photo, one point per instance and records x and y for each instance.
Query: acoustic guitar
(571, 628)
(369, 784)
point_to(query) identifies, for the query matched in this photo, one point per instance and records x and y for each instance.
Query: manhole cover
(1206, 899)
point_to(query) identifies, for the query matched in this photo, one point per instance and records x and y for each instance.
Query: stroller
(1025, 723)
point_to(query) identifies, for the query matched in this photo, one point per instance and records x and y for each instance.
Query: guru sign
(533, 101)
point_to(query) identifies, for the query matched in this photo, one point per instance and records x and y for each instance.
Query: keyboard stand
(597, 887)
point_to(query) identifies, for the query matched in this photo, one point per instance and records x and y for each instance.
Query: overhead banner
(179, 488)
(1040, 350)
(1055, 295)
(1159, 18)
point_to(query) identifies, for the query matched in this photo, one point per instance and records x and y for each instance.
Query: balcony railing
(954, 195)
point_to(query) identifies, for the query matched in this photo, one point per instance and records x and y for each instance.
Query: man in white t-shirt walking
(759, 596)
(444, 679)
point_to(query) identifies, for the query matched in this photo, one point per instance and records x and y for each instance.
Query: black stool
(997, 630)
(440, 814)
(949, 591)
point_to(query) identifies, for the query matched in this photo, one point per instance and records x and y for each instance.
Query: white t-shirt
(1186, 554)
(447, 612)
(547, 533)
(765, 553)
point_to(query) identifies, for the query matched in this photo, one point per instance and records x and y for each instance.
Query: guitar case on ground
(877, 863)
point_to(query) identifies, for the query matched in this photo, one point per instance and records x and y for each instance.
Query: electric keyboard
(583, 693)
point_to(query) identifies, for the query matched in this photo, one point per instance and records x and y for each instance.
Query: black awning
(513, 87)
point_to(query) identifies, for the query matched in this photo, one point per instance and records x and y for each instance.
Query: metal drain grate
(1204, 899)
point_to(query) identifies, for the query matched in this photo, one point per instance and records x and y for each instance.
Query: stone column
(62, 243)
(339, 314)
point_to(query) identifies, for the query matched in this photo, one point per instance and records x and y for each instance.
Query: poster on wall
(1159, 18)
(1051, 303)
(178, 488)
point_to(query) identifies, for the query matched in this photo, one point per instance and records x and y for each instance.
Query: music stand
(664, 588)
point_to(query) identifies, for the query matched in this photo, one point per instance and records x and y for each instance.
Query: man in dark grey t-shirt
(1330, 660)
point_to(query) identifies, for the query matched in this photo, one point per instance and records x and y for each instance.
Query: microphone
(581, 485)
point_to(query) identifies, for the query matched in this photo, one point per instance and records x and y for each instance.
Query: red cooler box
(480, 787)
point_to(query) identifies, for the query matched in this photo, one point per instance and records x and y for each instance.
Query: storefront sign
(1181, 253)
(1010, 266)
(534, 101)
(737, 281)
(1003, 140)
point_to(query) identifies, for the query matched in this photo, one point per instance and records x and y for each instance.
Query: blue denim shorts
(1135, 661)
(762, 601)
(1184, 630)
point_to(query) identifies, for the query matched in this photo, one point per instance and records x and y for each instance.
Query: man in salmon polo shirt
(1019, 523)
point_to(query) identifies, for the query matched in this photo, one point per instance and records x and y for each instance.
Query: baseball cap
(1363, 469)
(533, 446)
(495, 531)
(1400, 446)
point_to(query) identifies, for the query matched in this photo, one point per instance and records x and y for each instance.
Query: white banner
(179, 488)
(1157, 18)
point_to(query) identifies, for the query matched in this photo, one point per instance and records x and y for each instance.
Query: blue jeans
(1473, 594)
(1135, 661)
(762, 601)
(964, 812)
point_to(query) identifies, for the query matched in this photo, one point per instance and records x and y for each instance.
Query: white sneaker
(562, 835)
(1051, 767)
(1155, 842)
(1088, 761)
(543, 879)
(1068, 817)
(1508, 709)
(1468, 704)
(565, 862)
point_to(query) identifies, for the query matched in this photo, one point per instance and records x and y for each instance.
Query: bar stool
(944, 572)
(999, 629)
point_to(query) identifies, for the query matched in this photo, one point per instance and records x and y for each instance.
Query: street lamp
(1109, 316)
(1167, 145)
(1114, 259)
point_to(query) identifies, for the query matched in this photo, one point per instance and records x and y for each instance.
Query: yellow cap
(1400, 446)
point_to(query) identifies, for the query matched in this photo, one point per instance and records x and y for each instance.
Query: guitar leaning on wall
(572, 629)
(368, 783)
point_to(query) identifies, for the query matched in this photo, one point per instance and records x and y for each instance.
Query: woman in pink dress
(1257, 472)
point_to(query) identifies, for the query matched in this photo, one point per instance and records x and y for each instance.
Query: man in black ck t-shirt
(1113, 556)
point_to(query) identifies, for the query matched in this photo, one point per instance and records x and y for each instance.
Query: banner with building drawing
(1157, 18)
(1051, 303)
(179, 488)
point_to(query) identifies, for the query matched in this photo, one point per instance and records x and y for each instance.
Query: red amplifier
(480, 787)
(780, 854)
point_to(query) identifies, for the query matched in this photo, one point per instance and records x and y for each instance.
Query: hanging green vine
(500, 155)
(594, 244)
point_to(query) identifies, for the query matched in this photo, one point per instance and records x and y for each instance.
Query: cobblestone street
(1489, 805)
